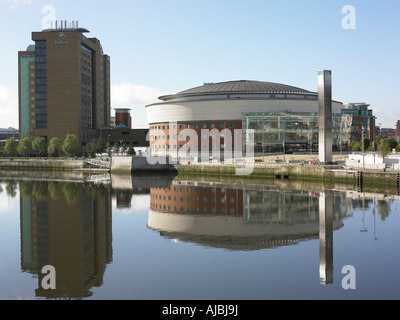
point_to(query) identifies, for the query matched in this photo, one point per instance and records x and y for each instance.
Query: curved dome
(239, 87)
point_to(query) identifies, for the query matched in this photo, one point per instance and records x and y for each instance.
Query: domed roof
(238, 87)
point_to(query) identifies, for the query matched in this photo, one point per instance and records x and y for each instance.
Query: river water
(163, 238)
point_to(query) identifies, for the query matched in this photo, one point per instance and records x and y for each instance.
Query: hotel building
(64, 85)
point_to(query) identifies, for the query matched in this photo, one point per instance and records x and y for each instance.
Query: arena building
(217, 117)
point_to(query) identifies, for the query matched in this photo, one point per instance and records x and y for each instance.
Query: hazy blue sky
(167, 46)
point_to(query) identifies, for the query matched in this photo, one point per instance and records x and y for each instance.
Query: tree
(355, 146)
(71, 146)
(367, 144)
(24, 147)
(10, 148)
(377, 141)
(40, 145)
(124, 148)
(384, 148)
(392, 143)
(55, 147)
(131, 150)
(95, 146)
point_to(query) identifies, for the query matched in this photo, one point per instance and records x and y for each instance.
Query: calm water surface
(158, 238)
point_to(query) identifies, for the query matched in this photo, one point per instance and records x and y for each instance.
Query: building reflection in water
(248, 217)
(68, 226)
(326, 237)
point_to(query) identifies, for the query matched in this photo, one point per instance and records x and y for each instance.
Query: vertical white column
(325, 115)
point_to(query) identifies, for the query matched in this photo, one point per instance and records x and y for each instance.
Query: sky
(162, 47)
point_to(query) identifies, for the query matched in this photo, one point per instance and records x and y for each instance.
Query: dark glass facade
(276, 132)
(41, 85)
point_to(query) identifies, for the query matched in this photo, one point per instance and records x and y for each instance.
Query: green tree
(131, 150)
(24, 147)
(40, 145)
(10, 148)
(392, 143)
(355, 146)
(367, 144)
(2, 153)
(95, 146)
(71, 146)
(55, 147)
(384, 148)
(377, 141)
(124, 148)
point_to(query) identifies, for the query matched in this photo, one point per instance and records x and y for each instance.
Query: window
(41, 82)
(231, 126)
(222, 126)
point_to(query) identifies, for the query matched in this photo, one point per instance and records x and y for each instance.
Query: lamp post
(362, 137)
(177, 147)
(121, 142)
(108, 145)
(373, 138)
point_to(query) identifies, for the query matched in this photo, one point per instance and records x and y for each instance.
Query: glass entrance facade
(290, 132)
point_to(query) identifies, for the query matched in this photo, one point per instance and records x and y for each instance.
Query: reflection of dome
(231, 232)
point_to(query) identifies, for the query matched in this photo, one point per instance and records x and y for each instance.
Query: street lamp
(362, 137)
(108, 145)
(373, 138)
(120, 148)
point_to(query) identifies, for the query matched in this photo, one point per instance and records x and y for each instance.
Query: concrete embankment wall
(41, 164)
(141, 165)
(298, 172)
